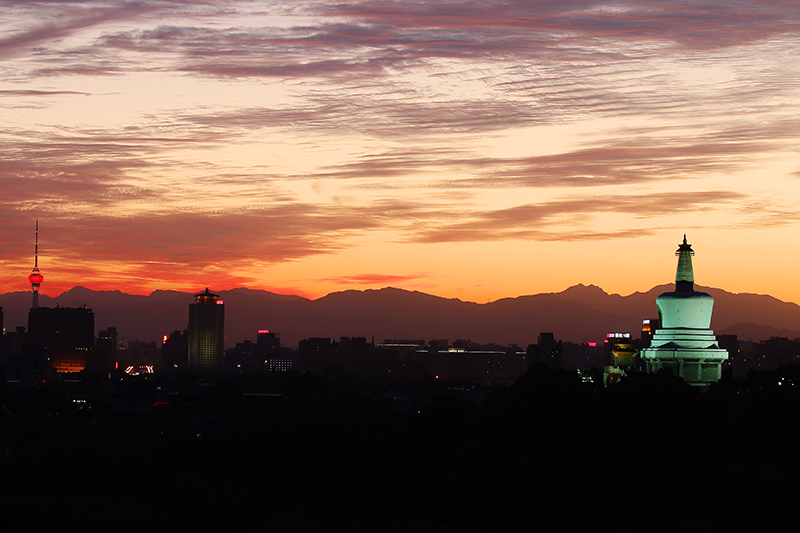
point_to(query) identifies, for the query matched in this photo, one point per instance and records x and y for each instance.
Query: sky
(468, 149)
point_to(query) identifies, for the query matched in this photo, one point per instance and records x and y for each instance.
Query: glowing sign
(220, 302)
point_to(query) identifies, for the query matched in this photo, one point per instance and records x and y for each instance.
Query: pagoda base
(691, 354)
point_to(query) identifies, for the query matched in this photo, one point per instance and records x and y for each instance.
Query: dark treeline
(549, 453)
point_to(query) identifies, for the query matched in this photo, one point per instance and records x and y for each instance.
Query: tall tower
(684, 342)
(36, 277)
(206, 331)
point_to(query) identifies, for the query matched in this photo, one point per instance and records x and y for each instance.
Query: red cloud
(370, 279)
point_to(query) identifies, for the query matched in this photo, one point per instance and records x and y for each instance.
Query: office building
(206, 331)
(66, 334)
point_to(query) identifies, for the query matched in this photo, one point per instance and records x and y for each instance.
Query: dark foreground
(550, 453)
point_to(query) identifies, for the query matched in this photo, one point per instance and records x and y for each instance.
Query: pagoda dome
(685, 308)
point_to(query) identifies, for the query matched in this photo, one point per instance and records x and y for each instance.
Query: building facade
(66, 334)
(206, 331)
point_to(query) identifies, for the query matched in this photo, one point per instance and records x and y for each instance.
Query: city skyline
(469, 150)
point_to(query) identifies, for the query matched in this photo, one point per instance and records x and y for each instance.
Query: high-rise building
(649, 326)
(269, 343)
(547, 351)
(105, 350)
(206, 331)
(684, 343)
(175, 349)
(65, 333)
(36, 277)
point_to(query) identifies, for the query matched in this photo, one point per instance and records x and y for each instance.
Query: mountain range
(580, 313)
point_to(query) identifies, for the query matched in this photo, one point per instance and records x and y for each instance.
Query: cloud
(371, 279)
(377, 38)
(541, 221)
(32, 92)
(51, 21)
(614, 162)
(692, 23)
(201, 237)
(400, 105)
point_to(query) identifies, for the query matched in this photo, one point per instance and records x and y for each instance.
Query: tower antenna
(36, 277)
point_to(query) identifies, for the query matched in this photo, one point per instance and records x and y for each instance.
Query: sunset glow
(467, 149)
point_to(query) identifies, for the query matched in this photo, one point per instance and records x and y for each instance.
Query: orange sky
(468, 149)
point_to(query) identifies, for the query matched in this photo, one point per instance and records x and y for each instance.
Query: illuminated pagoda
(623, 353)
(684, 343)
(623, 357)
(206, 331)
(36, 277)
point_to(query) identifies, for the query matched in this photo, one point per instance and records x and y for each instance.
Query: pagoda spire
(684, 278)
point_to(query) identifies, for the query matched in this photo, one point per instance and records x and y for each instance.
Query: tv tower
(36, 277)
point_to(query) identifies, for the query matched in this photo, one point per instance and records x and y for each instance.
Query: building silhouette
(546, 351)
(649, 326)
(684, 343)
(105, 350)
(206, 331)
(315, 354)
(175, 349)
(66, 334)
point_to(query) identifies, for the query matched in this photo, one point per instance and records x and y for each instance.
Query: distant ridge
(579, 313)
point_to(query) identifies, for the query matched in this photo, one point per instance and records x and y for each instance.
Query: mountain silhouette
(579, 313)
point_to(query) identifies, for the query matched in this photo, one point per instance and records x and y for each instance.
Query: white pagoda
(684, 343)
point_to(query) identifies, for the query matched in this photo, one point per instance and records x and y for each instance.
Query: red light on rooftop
(263, 331)
(220, 302)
